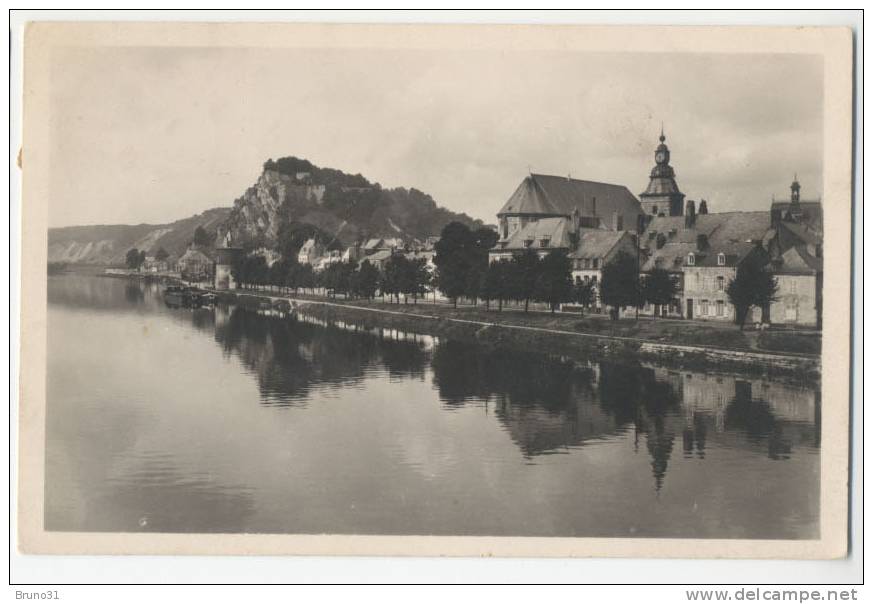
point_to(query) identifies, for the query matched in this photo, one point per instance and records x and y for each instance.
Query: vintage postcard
(447, 290)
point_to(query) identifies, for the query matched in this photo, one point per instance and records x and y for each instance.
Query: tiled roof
(594, 243)
(734, 234)
(560, 195)
(811, 211)
(556, 230)
(798, 260)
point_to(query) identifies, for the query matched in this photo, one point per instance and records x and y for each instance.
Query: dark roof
(798, 233)
(811, 211)
(798, 261)
(734, 234)
(556, 229)
(594, 243)
(560, 195)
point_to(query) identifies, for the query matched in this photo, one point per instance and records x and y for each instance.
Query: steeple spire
(662, 138)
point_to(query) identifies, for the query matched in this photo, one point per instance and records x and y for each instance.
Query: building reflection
(545, 404)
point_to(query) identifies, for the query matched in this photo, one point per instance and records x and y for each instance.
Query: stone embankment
(575, 344)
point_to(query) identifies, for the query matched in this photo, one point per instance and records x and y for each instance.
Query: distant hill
(291, 199)
(107, 244)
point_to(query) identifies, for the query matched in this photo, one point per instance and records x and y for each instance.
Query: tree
(752, 286)
(454, 255)
(133, 258)
(420, 278)
(366, 280)
(278, 273)
(583, 294)
(161, 254)
(554, 283)
(524, 276)
(659, 288)
(201, 237)
(494, 283)
(619, 283)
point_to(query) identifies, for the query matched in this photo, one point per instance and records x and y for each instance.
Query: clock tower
(662, 196)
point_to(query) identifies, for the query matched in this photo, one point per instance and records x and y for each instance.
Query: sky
(157, 134)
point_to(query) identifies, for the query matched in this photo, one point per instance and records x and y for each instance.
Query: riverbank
(661, 342)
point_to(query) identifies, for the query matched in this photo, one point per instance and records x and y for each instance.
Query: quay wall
(584, 346)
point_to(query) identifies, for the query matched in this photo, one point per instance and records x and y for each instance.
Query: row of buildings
(593, 222)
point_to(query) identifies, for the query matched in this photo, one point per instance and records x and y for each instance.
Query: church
(549, 213)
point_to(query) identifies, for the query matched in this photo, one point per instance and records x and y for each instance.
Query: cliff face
(291, 201)
(341, 208)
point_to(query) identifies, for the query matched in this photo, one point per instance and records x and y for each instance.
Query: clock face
(660, 157)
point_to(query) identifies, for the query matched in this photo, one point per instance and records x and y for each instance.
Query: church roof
(560, 195)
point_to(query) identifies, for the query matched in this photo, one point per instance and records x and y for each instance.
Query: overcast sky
(153, 135)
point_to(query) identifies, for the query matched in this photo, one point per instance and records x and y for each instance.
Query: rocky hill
(343, 208)
(292, 199)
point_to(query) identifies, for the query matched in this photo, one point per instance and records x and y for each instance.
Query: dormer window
(690, 259)
(721, 260)
(544, 242)
(528, 242)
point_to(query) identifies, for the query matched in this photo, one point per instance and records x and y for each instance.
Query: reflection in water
(412, 418)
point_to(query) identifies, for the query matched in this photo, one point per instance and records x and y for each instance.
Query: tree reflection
(291, 357)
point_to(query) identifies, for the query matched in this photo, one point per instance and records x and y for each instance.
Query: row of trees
(463, 270)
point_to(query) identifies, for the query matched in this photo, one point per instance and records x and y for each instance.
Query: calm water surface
(227, 420)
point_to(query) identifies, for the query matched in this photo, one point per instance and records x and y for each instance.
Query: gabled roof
(798, 261)
(194, 255)
(555, 229)
(373, 244)
(594, 243)
(379, 256)
(799, 232)
(560, 195)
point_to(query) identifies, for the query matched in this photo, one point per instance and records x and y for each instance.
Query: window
(719, 308)
(652, 235)
(544, 242)
(721, 259)
(690, 259)
(528, 242)
(792, 286)
(704, 308)
(655, 210)
(719, 283)
(596, 262)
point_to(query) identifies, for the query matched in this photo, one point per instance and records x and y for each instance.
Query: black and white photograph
(554, 289)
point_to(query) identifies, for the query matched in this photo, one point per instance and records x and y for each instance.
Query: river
(228, 420)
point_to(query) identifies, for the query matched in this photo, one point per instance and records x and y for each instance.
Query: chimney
(690, 216)
(615, 225)
(702, 242)
(576, 219)
(702, 209)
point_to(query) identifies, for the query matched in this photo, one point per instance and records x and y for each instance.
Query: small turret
(795, 190)
(702, 209)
